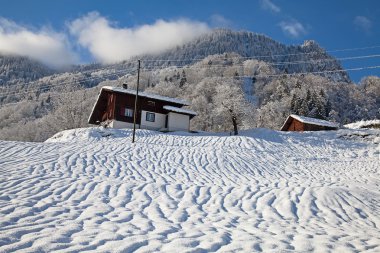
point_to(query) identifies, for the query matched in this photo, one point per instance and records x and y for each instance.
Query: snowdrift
(93, 190)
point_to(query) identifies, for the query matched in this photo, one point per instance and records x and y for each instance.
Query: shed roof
(310, 121)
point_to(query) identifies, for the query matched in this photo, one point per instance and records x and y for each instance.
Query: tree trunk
(235, 125)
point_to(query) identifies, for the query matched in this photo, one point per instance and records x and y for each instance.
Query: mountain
(308, 57)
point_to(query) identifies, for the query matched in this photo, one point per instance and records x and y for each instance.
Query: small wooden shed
(302, 123)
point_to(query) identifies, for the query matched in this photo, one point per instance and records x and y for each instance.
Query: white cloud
(220, 21)
(363, 23)
(108, 43)
(44, 45)
(269, 5)
(293, 28)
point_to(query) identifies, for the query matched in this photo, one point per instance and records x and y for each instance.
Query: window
(127, 112)
(150, 116)
(151, 103)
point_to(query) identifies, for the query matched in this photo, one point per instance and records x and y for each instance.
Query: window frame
(125, 114)
(147, 117)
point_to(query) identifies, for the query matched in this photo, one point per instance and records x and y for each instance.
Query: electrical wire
(267, 56)
(111, 67)
(49, 86)
(270, 64)
(239, 76)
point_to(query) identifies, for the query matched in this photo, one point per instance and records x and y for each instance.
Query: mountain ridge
(307, 57)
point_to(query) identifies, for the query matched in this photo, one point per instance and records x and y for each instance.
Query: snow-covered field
(93, 190)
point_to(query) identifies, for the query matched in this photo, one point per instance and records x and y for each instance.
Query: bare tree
(231, 104)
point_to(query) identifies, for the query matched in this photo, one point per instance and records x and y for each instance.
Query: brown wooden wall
(296, 126)
(125, 101)
(314, 128)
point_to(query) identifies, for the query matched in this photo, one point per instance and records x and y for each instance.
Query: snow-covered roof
(179, 110)
(314, 121)
(363, 124)
(147, 95)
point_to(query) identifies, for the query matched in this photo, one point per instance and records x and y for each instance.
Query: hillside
(263, 191)
(16, 69)
(308, 57)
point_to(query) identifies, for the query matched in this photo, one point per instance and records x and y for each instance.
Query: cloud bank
(363, 23)
(108, 43)
(105, 41)
(43, 45)
(293, 28)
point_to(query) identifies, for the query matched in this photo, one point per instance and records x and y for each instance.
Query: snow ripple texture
(265, 191)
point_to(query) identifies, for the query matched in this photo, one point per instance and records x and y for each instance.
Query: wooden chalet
(302, 123)
(115, 107)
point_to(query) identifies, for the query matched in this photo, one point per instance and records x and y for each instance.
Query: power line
(268, 56)
(352, 49)
(318, 72)
(91, 71)
(273, 64)
(273, 75)
(208, 66)
(43, 88)
(43, 94)
(49, 86)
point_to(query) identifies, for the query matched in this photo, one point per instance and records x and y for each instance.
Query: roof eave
(93, 109)
(147, 95)
(286, 123)
(184, 113)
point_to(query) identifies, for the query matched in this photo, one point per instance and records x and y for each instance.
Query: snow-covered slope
(93, 190)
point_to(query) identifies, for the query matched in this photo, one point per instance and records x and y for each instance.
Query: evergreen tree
(328, 108)
(293, 104)
(183, 79)
(303, 109)
(309, 101)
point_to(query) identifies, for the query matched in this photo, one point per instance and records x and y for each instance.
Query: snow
(147, 95)
(363, 124)
(314, 121)
(180, 110)
(91, 189)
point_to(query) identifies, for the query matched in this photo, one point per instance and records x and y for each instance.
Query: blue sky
(68, 32)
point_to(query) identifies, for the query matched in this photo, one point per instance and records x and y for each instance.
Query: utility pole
(135, 110)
